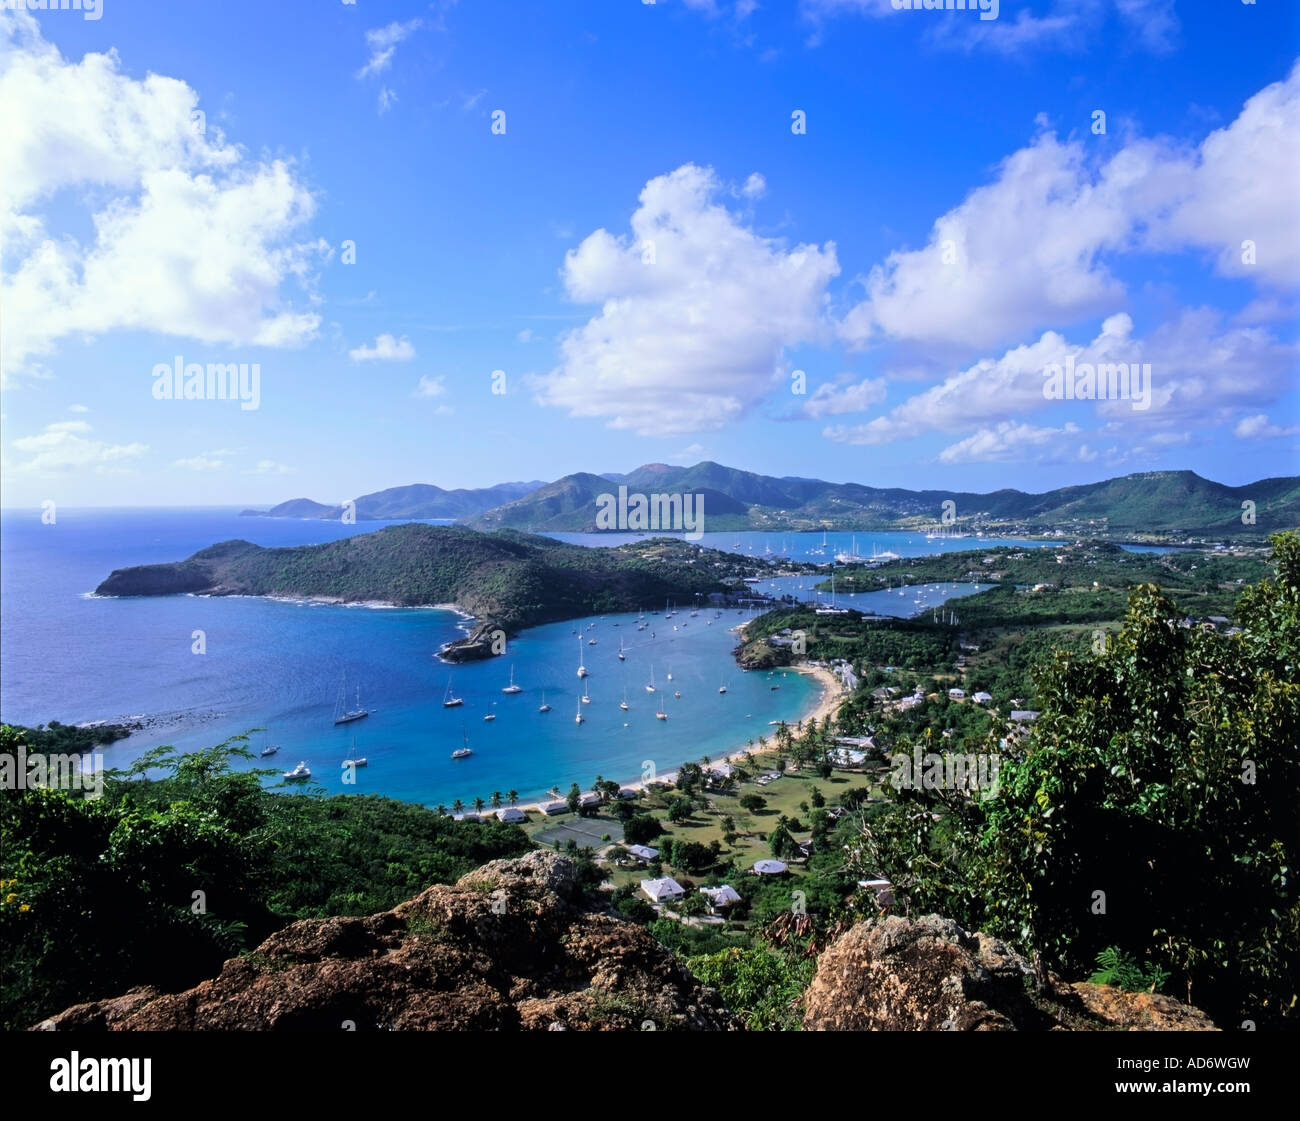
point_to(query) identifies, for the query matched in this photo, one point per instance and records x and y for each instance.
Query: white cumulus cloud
(190, 236)
(696, 312)
(385, 349)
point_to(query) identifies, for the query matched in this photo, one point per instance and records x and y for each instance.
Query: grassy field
(786, 795)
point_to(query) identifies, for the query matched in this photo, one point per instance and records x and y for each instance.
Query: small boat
(722, 688)
(623, 703)
(360, 762)
(651, 687)
(490, 716)
(621, 656)
(582, 670)
(300, 773)
(544, 707)
(677, 694)
(585, 699)
(512, 687)
(270, 750)
(591, 642)
(462, 752)
(579, 718)
(449, 699)
(661, 715)
(670, 668)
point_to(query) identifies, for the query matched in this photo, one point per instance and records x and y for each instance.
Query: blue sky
(649, 251)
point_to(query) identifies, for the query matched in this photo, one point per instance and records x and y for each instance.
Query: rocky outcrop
(510, 946)
(476, 646)
(928, 974)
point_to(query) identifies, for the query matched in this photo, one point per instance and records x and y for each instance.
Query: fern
(1119, 969)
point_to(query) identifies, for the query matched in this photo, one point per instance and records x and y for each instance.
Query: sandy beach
(826, 703)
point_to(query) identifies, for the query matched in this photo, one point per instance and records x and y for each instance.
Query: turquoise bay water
(72, 657)
(274, 664)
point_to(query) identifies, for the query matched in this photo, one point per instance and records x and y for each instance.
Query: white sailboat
(623, 703)
(651, 687)
(585, 699)
(462, 752)
(670, 667)
(621, 656)
(582, 670)
(661, 715)
(579, 718)
(356, 760)
(346, 717)
(449, 699)
(722, 688)
(544, 707)
(512, 687)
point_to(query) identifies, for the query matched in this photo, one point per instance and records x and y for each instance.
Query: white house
(589, 799)
(661, 891)
(512, 815)
(553, 808)
(643, 852)
(956, 694)
(769, 867)
(1024, 715)
(982, 698)
(720, 898)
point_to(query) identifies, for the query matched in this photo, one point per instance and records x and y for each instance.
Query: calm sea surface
(69, 656)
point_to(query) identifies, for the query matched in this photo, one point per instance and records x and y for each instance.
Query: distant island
(507, 580)
(419, 500)
(1145, 506)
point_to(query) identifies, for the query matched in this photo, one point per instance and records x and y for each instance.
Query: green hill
(515, 579)
(1160, 503)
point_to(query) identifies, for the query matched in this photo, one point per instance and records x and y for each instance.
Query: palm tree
(478, 805)
(441, 810)
(513, 795)
(457, 806)
(554, 792)
(496, 799)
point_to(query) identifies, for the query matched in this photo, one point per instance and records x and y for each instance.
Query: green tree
(642, 829)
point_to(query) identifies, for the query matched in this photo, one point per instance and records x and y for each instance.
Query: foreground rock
(509, 947)
(928, 974)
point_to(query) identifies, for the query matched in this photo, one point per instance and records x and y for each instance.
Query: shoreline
(824, 704)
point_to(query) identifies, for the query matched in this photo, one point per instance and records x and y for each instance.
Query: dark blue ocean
(67, 655)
